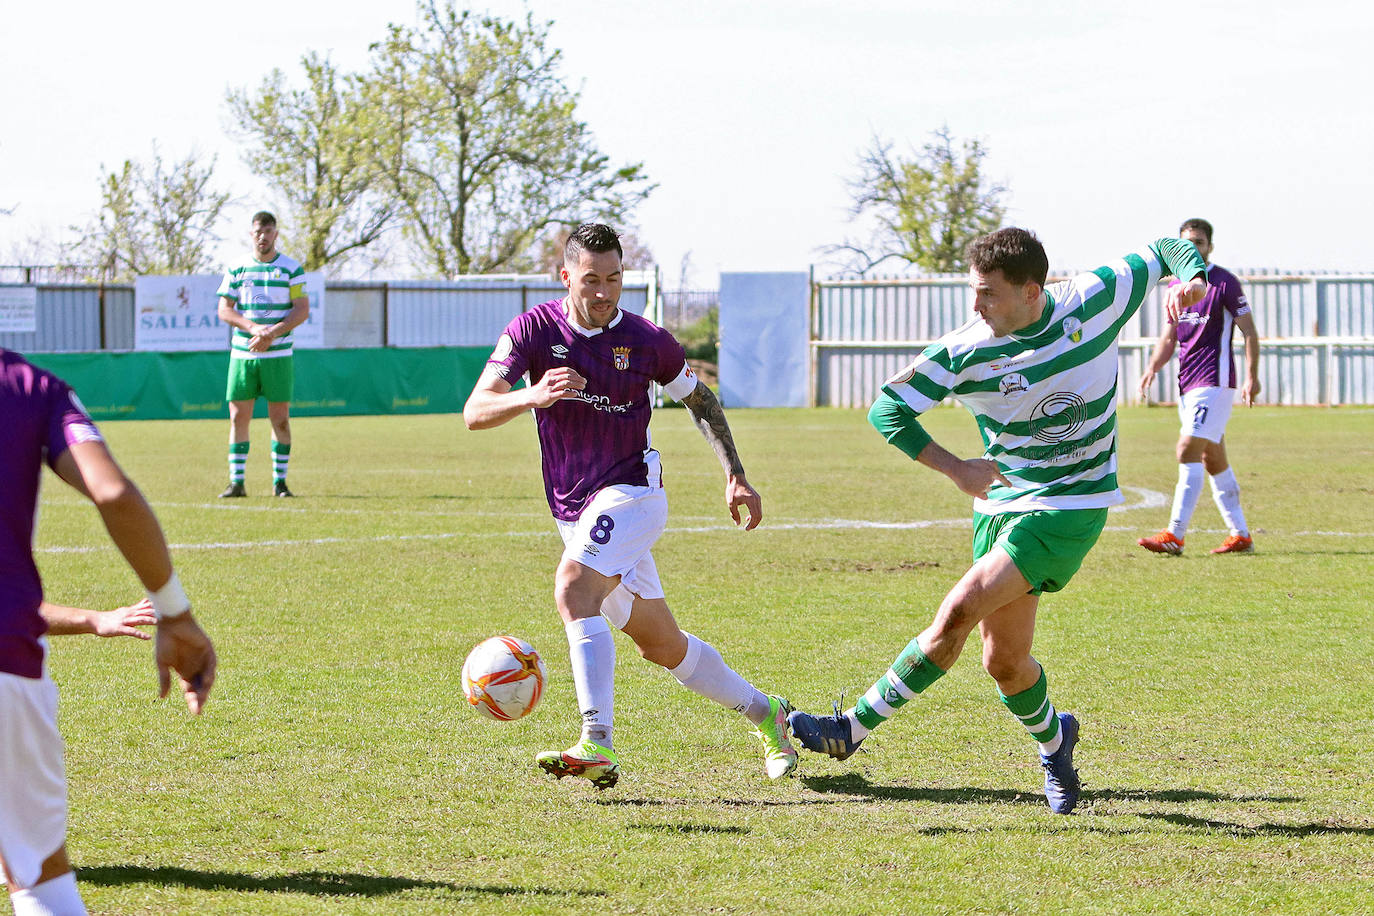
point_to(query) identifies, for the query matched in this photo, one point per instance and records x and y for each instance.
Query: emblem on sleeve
(1073, 329)
(622, 357)
(504, 347)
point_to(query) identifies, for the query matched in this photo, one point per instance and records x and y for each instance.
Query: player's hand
(557, 384)
(1249, 391)
(739, 493)
(259, 343)
(183, 647)
(1146, 381)
(122, 620)
(1181, 295)
(975, 476)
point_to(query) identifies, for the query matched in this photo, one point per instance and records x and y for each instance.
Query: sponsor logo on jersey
(1073, 329)
(559, 350)
(622, 357)
(1058, 417)
(1013, 383)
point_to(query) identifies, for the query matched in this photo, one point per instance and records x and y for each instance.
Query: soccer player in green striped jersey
(1037, 368)
(264, 300)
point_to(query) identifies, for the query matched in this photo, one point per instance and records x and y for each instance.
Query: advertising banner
(175, 314)
(18, 309)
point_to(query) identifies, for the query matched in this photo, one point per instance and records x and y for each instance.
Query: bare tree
(154, 218)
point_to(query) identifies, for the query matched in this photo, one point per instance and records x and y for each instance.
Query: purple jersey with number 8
(601, 437)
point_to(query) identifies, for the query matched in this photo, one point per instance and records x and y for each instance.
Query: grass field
(1227, 702)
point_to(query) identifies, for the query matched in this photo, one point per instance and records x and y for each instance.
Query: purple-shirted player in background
(590, 367)
(43, 422)
(1207, 388)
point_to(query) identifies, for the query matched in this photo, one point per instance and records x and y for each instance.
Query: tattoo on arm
(709, 417)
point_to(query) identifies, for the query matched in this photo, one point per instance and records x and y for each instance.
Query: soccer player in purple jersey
(1207, 389)
(45, 423)
(590, 365)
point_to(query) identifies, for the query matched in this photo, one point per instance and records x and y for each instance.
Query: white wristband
(170, 600)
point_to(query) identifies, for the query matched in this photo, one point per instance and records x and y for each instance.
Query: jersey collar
(589, 332)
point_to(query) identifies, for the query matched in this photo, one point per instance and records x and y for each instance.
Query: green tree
(923, 209)
(317, 150)
(484, 151)
(154, 218)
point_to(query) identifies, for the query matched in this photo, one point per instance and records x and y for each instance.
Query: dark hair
(593, 237)
(1017, 253)
(267, 219)
(1199, 224)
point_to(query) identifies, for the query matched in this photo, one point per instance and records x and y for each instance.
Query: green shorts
(273, 379)
(1047, 546)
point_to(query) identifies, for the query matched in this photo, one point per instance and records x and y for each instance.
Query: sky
(1108, 122)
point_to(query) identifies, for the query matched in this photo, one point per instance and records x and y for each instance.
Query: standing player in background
(264, 300)
(1037, 368)
(1207, 390)
(590, 366)
(44, 422)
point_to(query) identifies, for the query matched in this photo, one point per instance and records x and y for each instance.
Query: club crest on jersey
(1073, 329)
(622, 357)
(1013, 383)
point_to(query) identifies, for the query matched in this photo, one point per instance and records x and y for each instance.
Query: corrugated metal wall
(467, 312)
(1317, 336)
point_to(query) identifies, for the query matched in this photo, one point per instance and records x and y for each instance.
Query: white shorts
(33, 783)
(614, 536)
(1204, 412)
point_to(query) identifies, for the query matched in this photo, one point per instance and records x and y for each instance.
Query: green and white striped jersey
(263, 293)
(1044, 397)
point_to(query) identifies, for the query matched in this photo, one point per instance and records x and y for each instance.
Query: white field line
(1146, 499)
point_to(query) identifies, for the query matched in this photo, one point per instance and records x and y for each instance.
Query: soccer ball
(503, 678)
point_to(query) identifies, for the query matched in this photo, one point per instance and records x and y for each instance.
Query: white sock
(1186, 494)
(1226, 494)
(54, 897)
(857, 732)
(703, 671)
(591, 648)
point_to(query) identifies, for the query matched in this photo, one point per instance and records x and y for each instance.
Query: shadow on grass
(1295, 830)
(856, 784)
(314, 883)
(687, 828)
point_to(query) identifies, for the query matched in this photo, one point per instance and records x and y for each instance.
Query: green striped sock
(238, 461)
(281, 456)
(1033, 707)
(911, 673)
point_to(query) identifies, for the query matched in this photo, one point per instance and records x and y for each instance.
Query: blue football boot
(1061, 779)
(824, 734)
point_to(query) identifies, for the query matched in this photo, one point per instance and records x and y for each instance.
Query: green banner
(169, 386)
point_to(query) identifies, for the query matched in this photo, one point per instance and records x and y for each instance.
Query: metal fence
(1317, 336)
(469, 311)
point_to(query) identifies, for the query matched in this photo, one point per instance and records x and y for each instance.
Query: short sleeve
(68, 421)
(670, 361)
(227, 288)
(1234, 299)
(508, 359)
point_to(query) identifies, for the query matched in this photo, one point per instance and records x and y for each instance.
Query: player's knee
(1000, 665)
(957, 616)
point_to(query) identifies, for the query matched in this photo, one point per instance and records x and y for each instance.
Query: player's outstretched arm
(493, 402)
(122, 621)
(709, 416)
